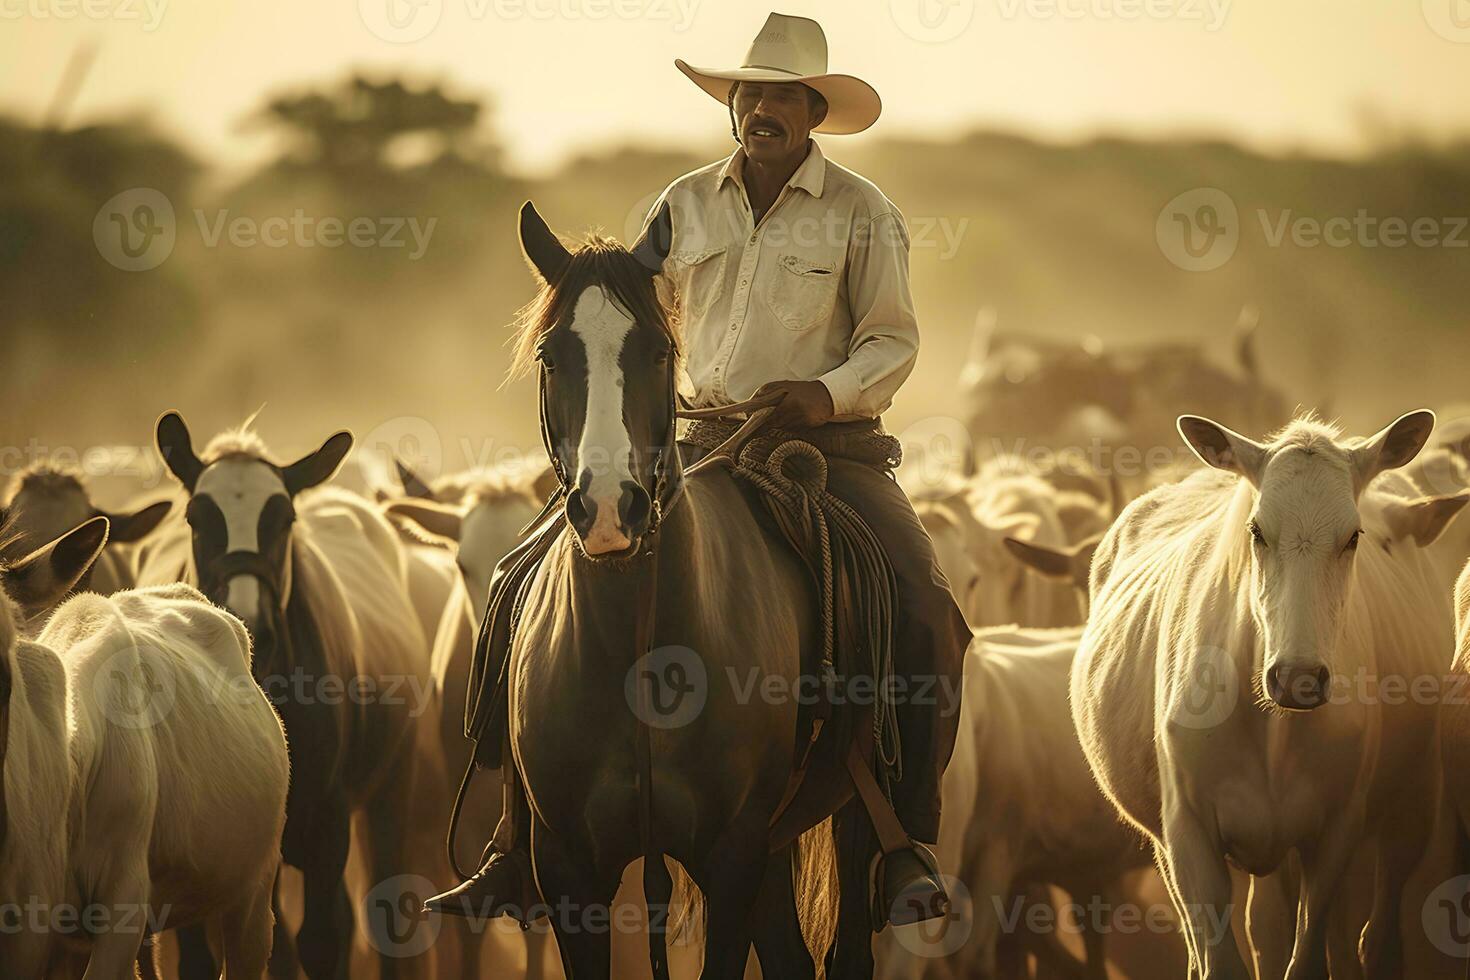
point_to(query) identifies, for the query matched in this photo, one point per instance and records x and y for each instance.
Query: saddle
(785, 473)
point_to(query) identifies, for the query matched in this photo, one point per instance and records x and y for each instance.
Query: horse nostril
(1324, 677)
(635, 508)
(578, 512)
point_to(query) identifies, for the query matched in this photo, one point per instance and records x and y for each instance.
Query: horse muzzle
(607, 525)
(1300, 686)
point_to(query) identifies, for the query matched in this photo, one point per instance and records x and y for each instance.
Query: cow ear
(40, 579)
(174, 445)
(412, 485)
(440, 520)
(126, 528)
(317, 467)
(657, 240)
(1424, 519)
(1222, 447)
(545, 253)
(1394, 445)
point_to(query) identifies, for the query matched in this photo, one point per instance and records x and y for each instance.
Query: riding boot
(505, 884)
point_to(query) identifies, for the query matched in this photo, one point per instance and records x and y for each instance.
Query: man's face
(775, 119)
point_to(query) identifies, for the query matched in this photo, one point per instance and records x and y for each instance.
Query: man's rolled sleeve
(885, 331)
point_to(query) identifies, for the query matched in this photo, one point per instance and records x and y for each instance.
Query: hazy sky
(569, 74)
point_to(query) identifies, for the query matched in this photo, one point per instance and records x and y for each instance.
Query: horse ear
(657, 240)
(174, 445)
(412, 485)
(40, 579)
(317, 467)
(127, 528)
(546, 254)
(1394, 445)
(438, 520)
(1221, 447)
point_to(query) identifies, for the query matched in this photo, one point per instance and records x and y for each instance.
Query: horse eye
(1353, 541)
(543, 357)
(1257, 535)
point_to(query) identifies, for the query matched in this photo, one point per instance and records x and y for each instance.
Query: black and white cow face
(240, 513)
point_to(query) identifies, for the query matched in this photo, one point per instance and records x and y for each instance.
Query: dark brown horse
(733, 603)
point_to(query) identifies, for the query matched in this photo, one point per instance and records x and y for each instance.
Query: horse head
(240, 514)
(605, 349)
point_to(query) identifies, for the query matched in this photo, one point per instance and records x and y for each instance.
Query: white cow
(1021, 808)
(969, 528)
(1224, 688)
(145, 773)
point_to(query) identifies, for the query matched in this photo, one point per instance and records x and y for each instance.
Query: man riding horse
(794, 278)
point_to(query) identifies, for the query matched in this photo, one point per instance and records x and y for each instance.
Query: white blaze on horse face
(606, 450)
(240, 488)
(1307, 513)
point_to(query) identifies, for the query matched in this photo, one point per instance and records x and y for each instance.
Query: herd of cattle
(1213, 697)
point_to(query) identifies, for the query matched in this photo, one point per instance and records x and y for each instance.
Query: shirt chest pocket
(699, 275)
(801, 291)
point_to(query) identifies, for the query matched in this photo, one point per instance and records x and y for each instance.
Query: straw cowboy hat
(794, 49)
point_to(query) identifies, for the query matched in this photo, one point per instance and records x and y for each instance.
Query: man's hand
(807, 404)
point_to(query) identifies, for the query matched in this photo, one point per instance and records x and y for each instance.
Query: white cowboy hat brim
(852, 104)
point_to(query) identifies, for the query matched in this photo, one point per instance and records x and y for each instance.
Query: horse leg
(776, 922)
(568, 884)
(1202, 891)
(246, 933)
(851, 954)
(115, 950)
(196, 961)
(325, 940)
(390, 833)
(1323, 868)
(731, 881)
(283, 963)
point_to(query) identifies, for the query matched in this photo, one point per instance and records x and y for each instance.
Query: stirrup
(922, 897)
(504, 885)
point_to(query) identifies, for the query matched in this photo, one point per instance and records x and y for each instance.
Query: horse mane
(239, 441)
(47, 475)
(597, 260)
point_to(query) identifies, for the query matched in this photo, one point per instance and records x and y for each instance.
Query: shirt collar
(810, 176)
